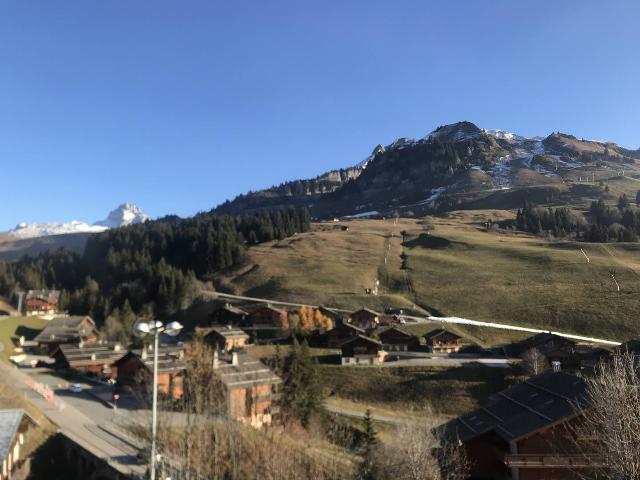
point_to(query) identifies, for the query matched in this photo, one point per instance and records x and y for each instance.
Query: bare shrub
(534, 362)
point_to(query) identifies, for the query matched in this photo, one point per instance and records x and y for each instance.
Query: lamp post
(145, 329)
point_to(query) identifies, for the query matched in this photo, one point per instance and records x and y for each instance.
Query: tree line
(148, 268)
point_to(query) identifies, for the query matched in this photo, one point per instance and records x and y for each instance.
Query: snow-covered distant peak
(125, 214)
(33, 230)
(504, 135)
(363, 164)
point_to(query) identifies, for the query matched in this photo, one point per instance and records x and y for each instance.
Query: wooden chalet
(15, 426)
(42, 302)
(341, 333)
(95, 358)
(630, 346)
(362, 350)
(443, 341)
(521, 433)
(225, 337)
(365, 318)
(67, 330)
(134, 370)
(395, 339)
(229, 314)
(543, 340)
(251, 389)
(268, 315)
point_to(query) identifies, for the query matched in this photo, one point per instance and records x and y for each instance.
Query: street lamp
(144, 329)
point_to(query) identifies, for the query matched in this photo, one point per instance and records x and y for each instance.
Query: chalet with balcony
(15, 427)
(395, 339)
(225, 338)
(362, 350)
(539, 341)
(93, 359)
(67, 331)
(365, 318)
(524, 431)
(443, 341)
(252, 390)
(229, 314)
(135, 369)
(42, 302)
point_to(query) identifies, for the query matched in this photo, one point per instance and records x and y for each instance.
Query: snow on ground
(33, 230)
(504, 135)
(372, 213)
(501, 171)
(435, 193)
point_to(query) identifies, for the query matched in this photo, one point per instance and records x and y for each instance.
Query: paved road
(83, 419)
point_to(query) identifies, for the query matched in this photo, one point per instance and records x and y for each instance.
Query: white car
(75, 388)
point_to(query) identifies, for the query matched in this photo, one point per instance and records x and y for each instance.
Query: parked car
(75, 388)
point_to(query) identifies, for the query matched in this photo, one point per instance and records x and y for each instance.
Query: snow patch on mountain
(504, 135)
(125, 214)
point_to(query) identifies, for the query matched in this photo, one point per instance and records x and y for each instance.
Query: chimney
(117, 347)
(556, 365)
(216, 362)
(234, 359)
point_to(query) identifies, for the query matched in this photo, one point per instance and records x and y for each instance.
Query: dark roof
(537, 341)
(269, 307)
(49, 296)
(523, 409)
(350, 326)
(226, 331)
(630, 346)
(246, 373)
(232, 309)
(64, 329)
(91, 354)
(439, 331)
(361, 337)
(395, 330)
(330, 311)
(9, 424)
(170, 358)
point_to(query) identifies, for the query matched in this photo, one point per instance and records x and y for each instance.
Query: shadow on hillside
(27, 332)
(428, 241)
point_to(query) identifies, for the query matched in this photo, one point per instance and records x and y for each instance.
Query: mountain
(455, 166)
(124, 214)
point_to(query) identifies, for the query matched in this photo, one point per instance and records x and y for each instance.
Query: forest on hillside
(149, 268)
(602, 224)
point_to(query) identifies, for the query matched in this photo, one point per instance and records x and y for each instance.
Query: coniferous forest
(148, 268)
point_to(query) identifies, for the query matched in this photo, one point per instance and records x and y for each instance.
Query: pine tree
(301, 389)
(366, 470)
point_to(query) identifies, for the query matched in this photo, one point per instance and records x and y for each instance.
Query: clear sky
(179, 105)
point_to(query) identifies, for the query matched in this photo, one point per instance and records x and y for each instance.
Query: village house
(229, 314)
(251, 389)
(42, 302)
(362, 350)
(443, 341)
(67, 330)
(341, 333)
(543, 340)
(15, 425)
(630, 346)
(134, 370)
(225, 337)
(95, 358)
(523, 432)
(365, 318)
(395, 339)
(270, 316)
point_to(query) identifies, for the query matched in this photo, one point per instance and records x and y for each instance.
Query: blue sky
(179, 105)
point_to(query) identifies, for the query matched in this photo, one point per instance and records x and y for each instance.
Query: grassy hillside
(457, 269)
(27, 326)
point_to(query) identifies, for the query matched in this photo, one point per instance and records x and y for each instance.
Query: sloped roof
(49, 296)
(232, 309)
(395, 330)
(64, 329)
(536, 341)
(350, 326)
(523, 409)
(246, 373)
(9, 423)
(170, 358)
(366, 310)
(630, 346)
(226, 331)
(439, 331)
(91, 354)
(361, 337)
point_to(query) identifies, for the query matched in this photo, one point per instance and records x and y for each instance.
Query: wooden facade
(95, 359)
(15, 426)
(443, 341)
(42, 302)
(269, 316)
(230, 315)
(341, 333)
(395, 339)
(225, 338)
(362, 350)
(67, 331)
